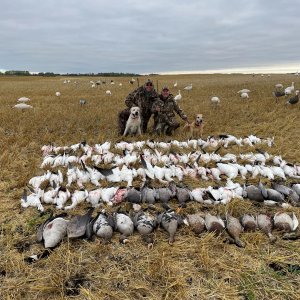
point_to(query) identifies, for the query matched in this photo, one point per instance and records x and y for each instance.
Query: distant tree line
(51, 74)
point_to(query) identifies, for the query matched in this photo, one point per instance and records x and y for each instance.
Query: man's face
(149, 86)
(165, 93)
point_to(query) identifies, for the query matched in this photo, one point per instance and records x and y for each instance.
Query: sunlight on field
(194, 267)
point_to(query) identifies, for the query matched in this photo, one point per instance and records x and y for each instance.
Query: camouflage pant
(124, 115)
(164, 124)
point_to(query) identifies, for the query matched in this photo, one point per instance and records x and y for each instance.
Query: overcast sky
(148, 36)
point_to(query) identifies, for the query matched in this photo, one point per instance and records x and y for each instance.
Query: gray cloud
(147, 36)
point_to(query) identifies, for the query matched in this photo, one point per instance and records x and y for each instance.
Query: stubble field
(194, 267)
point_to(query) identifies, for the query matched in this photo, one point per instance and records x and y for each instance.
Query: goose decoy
(124, 225)
(278, 94)
(52, 231)
(145, 224)
(264, 223)
(80, 226)
(294, 100)
(170, 221)
(234, 229)
(196, 222)
(214, 224)
(249, 223)
(284, 222)
(103, 226)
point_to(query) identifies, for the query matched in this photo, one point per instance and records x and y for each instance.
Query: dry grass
(194, 267)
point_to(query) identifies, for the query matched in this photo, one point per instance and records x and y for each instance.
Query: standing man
(143, 97)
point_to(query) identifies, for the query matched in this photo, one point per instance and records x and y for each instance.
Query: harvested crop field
(194, 267)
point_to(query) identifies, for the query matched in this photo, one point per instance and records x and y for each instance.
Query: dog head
(134, 112)
(198, 119)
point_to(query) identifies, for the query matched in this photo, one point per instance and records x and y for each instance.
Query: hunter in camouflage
(164, 116)
(143, 97)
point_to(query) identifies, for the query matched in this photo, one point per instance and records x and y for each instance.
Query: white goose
(178, 97)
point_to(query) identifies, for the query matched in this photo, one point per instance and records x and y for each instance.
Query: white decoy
(215, 100)
(243, 91)
(189, 87)
(120, 84)
(22, 106)
(178, 97)
(175, 84)
(244, 95)
(108, 92)
(82, 102)
(57, 94)
(23, 99)
(290, 89)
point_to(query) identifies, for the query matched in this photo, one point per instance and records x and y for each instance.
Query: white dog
(133, 124)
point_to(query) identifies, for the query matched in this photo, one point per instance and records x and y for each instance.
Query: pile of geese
(141, 161)
(145, 221)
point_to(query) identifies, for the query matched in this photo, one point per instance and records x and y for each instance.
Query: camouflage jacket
(168, 106)
(142, 99)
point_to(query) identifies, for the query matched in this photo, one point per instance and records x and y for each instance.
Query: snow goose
(108, 93)
(57, 94)
(175, 84)
(290, 89)
(178, 97)
(22, 106)
(244, 95)
(189, 87)
(215, 100)
(23, 99)
(243, 91)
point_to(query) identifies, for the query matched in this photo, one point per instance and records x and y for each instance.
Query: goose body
(178, 97)
(284, 222)
(196, 222)
(54, 231)
(103, 226)
(234, 229)
(124, 225)
(80, 225)
(23, 99)
(264, 223)
(170, 221)
(23, 106)
(248, 222)
(215, 100)
(214, 224)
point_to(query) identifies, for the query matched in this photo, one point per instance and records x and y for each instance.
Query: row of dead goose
(211, 141)
(104, 224)
(276, 195)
